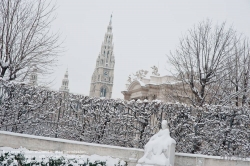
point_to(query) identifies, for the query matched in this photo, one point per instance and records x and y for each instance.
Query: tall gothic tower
(33, 77)
(103, 76)
(65, 84)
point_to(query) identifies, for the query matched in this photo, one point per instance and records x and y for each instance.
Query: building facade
(155, 87)
(103, 75)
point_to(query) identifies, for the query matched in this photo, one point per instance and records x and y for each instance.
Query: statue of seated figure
(160, 149)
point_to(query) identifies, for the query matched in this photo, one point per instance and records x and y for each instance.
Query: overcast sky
(144, 32)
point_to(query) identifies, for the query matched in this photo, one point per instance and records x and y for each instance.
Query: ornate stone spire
(103, 75)
(110, 22)
(65, 83)
(33, 76)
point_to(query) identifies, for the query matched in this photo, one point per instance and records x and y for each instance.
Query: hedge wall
(211, 130)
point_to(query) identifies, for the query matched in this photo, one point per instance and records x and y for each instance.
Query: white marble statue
(160, 150)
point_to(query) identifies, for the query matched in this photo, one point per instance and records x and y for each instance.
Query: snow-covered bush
(212, 130)
(24, 157)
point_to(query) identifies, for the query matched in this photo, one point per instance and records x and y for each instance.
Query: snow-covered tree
(236, 83)
(200, 59)
(25, 38)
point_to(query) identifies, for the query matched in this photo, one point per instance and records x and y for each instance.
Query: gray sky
(144, 32)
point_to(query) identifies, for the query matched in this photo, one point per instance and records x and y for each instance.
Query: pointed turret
(33, 76)
(65, 83)
(103, 76)
(110, 22)
(109, 29)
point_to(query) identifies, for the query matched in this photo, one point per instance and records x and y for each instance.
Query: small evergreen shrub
(21, 159)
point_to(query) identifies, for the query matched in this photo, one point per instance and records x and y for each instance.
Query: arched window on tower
(103, 92)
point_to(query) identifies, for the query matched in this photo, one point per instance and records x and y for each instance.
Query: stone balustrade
(131, 155)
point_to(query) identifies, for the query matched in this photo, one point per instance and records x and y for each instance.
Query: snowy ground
(8, 156)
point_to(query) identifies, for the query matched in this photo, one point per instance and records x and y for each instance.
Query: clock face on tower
(106, 73)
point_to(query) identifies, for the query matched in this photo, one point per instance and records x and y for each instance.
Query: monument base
(160, 149)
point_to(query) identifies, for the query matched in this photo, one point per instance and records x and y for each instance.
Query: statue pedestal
(160, 150)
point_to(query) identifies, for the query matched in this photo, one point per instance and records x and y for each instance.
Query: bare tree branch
(200, 60)
(26, 39)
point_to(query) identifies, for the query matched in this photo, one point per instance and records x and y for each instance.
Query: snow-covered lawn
(11, 157)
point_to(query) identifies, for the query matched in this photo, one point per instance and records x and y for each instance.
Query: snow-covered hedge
(212, 130)
(24, 157)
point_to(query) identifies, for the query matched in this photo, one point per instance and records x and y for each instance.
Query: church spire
(103, 75)
(65, 83)
(110, 22)
(109, 29)
(66, 74)
(33, 76)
